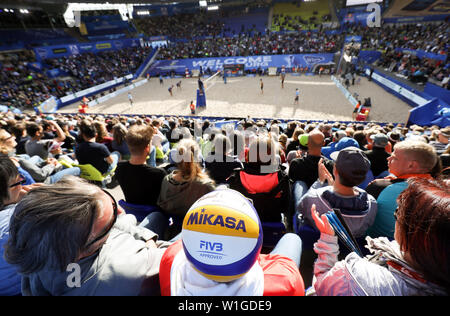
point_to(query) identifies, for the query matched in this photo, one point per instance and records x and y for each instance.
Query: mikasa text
(202, 218)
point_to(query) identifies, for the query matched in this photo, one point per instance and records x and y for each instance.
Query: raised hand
(322, 223)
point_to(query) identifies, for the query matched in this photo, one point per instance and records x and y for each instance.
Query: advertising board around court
(235, 69)
(178, 66)
(411, 97)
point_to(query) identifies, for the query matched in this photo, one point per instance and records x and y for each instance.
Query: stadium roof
(37, 3)
(58, 5)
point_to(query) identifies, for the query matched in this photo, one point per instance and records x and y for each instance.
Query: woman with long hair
(415, 263)
(102, 136)
(186, 184)
(118, 143)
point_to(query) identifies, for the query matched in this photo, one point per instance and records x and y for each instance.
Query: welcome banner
(178, 66)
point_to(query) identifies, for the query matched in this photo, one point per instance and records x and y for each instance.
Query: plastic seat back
(385, 173)
(159, 153)
(309, 235)
(272, 233)
(89, 172)
(369, 178)
(138, 210)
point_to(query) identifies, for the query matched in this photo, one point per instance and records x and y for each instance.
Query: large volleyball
(222, 235)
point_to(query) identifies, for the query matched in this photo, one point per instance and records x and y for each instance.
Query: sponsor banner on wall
(249, 62)
(116, 93)
(57, 51)
(101, 46)
(69, 98)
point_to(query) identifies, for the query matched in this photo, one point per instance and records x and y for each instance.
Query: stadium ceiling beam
(61, 5)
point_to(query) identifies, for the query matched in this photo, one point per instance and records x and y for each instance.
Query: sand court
(320, 99)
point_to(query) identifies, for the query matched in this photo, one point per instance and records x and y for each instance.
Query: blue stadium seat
(272, 232)
(140, 211)
(383, 174)
(369, 178)
(309, 235)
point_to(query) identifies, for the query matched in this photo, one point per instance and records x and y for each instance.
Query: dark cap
(394, 136)
(380, 140)
(351, 163)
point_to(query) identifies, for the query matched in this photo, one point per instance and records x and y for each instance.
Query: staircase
(334, 17)
(269, 18)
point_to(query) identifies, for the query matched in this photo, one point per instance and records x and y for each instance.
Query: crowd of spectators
(256, 44)
(185, 26)
(389, 181)
(89, 69)
(417, 70)
(19, 85)
(431, 38)
(362, 169)
(24, 86)
(297, 23)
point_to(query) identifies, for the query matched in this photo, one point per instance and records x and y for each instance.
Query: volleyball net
(203, 87)
(210, 81)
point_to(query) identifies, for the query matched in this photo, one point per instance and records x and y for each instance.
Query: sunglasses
(395, 213)
(110, 226)
(21, 182)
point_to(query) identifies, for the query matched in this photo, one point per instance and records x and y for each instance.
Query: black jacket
(270, 192)
(306, 169)
(378, 160)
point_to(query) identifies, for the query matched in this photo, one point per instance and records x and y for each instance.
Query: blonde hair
(423, 153)
(283, 138)
(119, 133)
(4, 149)
(188, 166)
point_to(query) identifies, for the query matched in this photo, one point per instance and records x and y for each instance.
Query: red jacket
(281, 275)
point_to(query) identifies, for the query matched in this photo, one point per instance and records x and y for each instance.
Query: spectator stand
(250, 21)
(302, 15)
(105, 27)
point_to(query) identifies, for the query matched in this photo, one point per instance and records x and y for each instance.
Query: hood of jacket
(175, 195)
(356, 205)
(254, 181)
